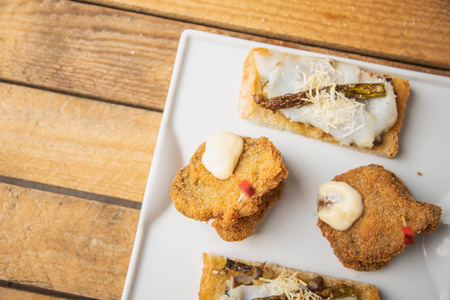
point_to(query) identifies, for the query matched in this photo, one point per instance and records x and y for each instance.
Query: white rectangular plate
(167, 257)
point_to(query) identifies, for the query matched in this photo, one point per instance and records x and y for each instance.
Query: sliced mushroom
(237, 266)
(268, 273)
(257, 272)
(316, 284)
(230, 284)
(277, 297)
(243, 279)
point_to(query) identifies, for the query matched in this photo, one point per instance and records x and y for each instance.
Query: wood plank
(75, 143)
(64, 243)
(87, 51)
(14, 294)
(107, 53)
(410, 31)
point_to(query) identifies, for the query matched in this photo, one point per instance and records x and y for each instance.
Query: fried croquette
(197, 194)
(245, 226)
(376, 236)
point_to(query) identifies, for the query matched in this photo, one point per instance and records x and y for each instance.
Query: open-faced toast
(223, 277)
(265, 71)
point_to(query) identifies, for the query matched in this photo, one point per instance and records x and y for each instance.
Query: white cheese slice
(347, 120)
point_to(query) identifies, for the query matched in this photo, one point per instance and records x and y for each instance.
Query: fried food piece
(197, 194)
(216, 275)
(377, 235)
(245, 226)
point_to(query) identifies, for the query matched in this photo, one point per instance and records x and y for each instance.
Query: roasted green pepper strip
(358, 91)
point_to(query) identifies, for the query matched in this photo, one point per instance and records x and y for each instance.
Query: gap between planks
(265, 38)
(17, 291)
(71, 192)
(411, 35)
(76, 144)
(110, 54)
(81, 95)
(43, 235)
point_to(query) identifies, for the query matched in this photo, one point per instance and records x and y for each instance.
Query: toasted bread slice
(376, 236)
(197, 194)
(215, 275)
(252, 84)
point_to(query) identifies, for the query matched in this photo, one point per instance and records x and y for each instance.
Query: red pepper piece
(247, 188)
(408, 237)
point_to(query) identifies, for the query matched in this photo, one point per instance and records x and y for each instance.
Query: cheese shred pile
(331, 108)
(348, 121)
(335, 110)
(291, 286)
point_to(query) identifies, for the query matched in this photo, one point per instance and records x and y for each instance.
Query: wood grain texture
(82, 247)
(64, 243)
(107, 53)
(85, 50)
(76, 143)
(15, 294)
(410, 31)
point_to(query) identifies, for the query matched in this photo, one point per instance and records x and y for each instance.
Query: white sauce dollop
(343, 204)
(349, 121)
(222, 152)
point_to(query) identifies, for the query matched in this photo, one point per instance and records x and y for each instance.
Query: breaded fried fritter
(245, 226)
(377, 235)
(197, 194)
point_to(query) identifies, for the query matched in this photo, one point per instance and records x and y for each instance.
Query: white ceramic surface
(167, 257)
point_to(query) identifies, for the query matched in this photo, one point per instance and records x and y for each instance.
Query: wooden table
(82, 91)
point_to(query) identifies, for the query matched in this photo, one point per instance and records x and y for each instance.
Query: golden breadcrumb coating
(245, 226)
(197, 194)
(377, 235)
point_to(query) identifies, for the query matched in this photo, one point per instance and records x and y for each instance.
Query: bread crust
(248, 109)
(212, 285)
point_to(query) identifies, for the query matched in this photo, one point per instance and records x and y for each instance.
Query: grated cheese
(347, 120)
(291, 286)
(332, 108)
(335, 110)
(318, 79)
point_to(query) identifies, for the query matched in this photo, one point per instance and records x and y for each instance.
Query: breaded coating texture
(245, 226)
(197, 194)
(377, 235)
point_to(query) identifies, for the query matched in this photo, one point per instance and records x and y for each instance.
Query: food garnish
(408, 235)
(340, 205)
(379, 234)
(247, 188)
(222, 152)
(269, 281)
(283, 287)
(358, 91)
(237, 266)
